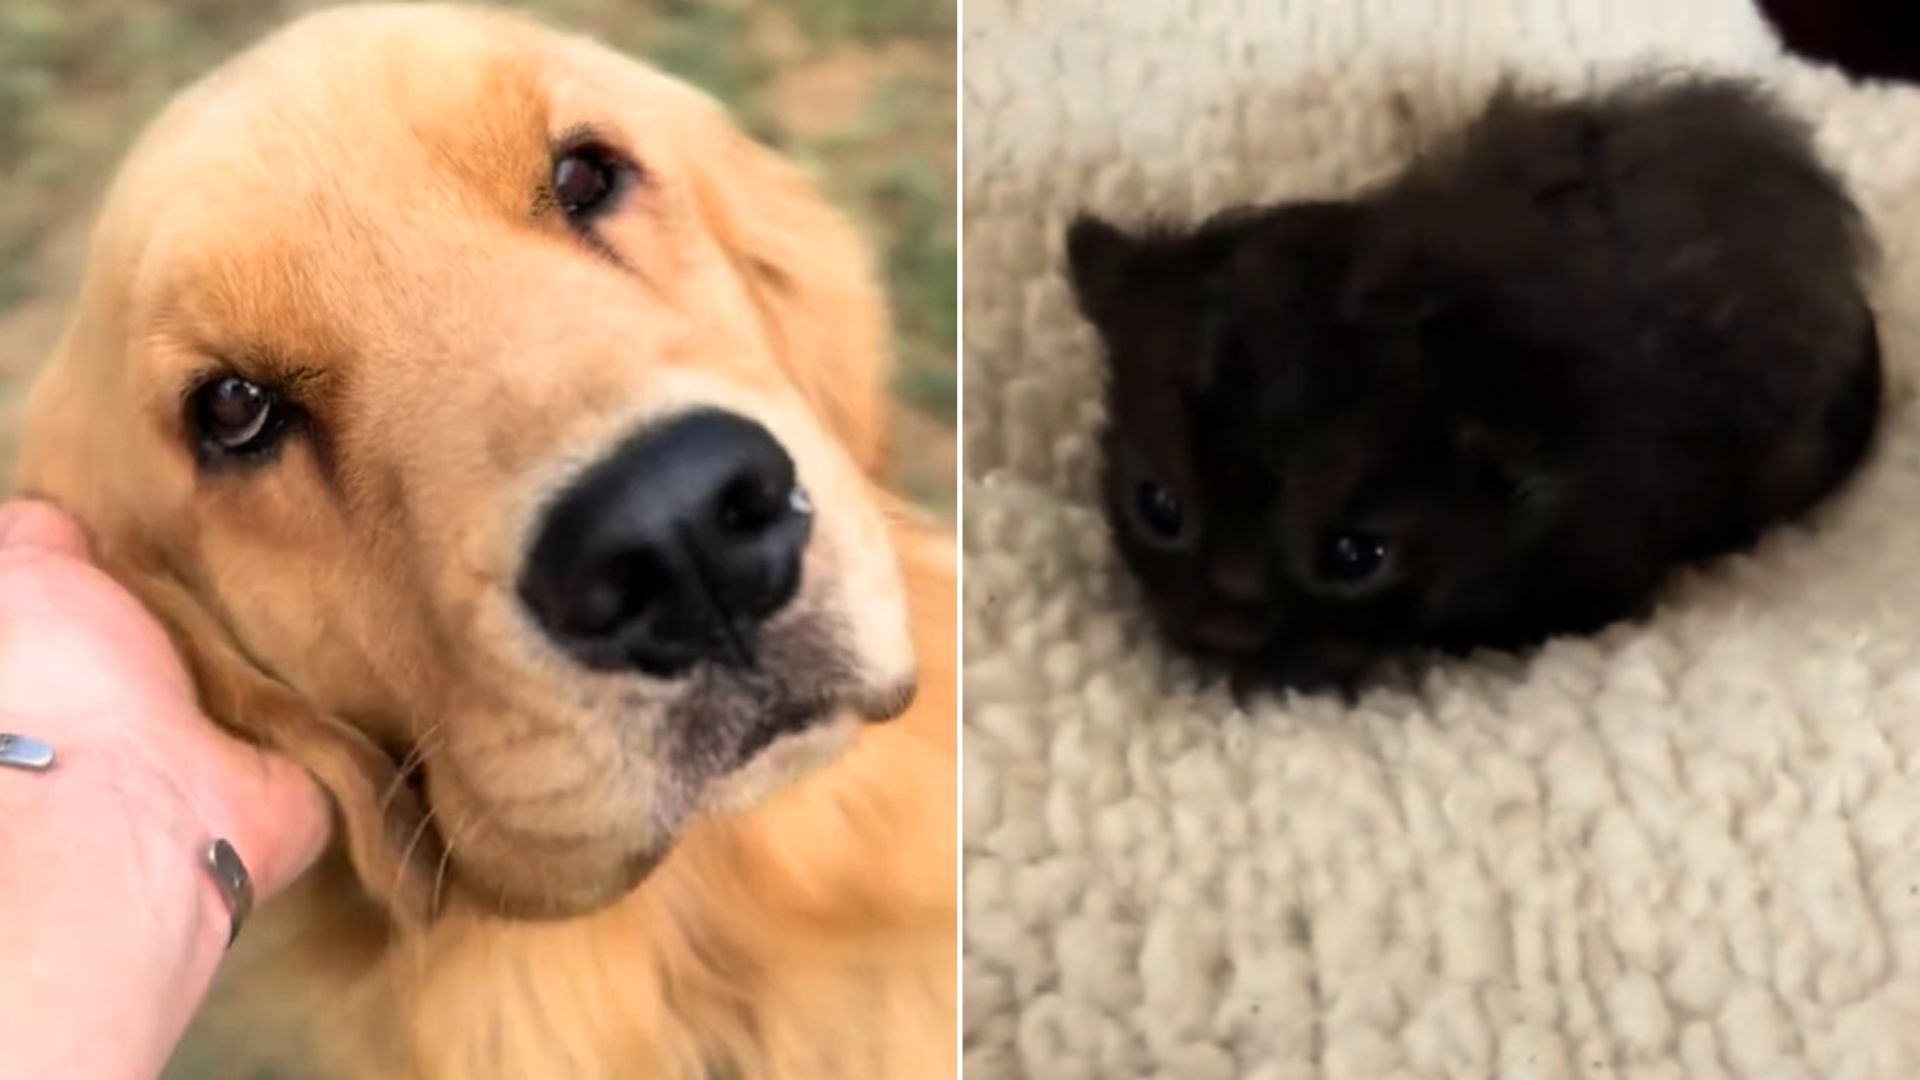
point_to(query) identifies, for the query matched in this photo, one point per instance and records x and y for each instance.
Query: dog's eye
(1157, 511)
(1354, 558)
(237, 418)
(584, 180)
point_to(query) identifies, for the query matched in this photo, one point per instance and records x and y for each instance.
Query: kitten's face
(1300, 466)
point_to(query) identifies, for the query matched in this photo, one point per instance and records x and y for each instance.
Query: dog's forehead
(361, 141)
(375, 110)
(367, 114)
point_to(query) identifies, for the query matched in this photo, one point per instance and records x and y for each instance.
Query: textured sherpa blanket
(1683, 848)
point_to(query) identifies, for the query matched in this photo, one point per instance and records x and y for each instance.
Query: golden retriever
(497, 430)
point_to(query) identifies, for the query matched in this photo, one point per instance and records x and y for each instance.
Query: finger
(300, 819)
(290, 825)
(280, 819)
(27, 523)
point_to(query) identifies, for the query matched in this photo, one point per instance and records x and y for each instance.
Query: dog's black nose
(673, 549)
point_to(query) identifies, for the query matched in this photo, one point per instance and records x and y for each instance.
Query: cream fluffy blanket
(1689, 848)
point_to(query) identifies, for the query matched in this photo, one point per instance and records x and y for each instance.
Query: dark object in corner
(1869, 38)
(1500, 398)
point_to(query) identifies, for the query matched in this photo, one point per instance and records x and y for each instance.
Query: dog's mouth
(782, 717)
(727, 738)
(800, 714)
(732, 720)
(792, 738)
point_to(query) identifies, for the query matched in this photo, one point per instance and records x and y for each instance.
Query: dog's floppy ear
(71, 458)
(811, 279)
(389, 841)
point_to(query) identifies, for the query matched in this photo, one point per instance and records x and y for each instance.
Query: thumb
(280, 818)
(28, 523)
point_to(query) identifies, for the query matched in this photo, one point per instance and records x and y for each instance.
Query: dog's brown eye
(583, 182)
(237, 418)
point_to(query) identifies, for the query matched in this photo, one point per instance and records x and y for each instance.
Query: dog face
(469, 397)
(1306, 464)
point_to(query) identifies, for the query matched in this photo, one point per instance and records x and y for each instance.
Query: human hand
(101, 870)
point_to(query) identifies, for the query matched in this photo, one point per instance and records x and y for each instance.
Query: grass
(861, 90)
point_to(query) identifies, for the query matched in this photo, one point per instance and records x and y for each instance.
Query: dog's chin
(498, 872)
(783, 762)
(539, 882)
(803, 742)
(558, 880)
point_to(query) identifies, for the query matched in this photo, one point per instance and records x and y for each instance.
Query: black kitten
(1499, 398)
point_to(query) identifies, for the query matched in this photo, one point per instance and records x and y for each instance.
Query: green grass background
(862, 91)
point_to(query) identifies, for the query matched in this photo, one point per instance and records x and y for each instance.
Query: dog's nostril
(601, 606)
(673, 549)
(752, 501)
(613, 593)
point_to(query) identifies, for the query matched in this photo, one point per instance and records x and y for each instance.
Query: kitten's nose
(1231, 630)
(1239, 574)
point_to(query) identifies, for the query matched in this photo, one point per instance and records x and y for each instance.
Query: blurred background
(859, 91)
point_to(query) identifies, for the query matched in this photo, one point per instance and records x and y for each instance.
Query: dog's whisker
(415, 759)
(483, 817)
(406, 854)
(440, 874)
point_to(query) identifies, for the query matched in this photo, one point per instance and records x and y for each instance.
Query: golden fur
(356, 209)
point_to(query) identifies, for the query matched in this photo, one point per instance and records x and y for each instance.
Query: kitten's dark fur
(1499, 398)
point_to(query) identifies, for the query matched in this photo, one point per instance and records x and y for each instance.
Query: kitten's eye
(1157, 509)
(236, 418)
(1353, 558)
(584, 182)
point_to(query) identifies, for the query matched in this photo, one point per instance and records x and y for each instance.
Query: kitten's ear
(1100, 260)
